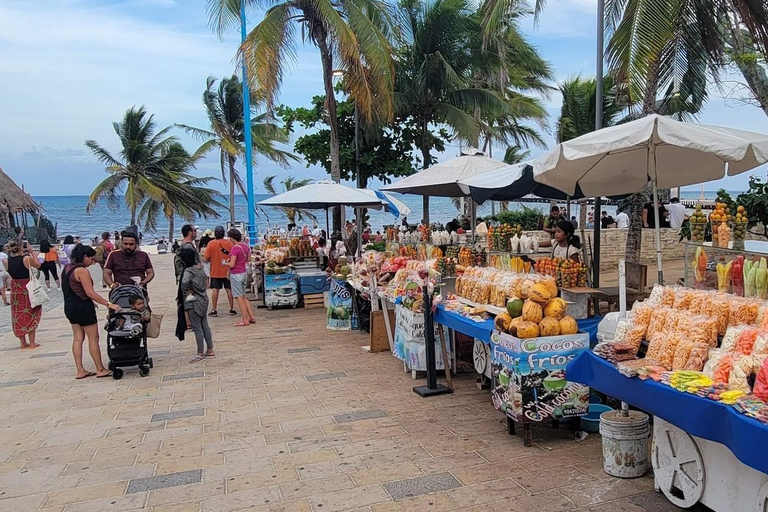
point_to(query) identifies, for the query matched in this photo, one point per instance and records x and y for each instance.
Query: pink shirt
(240, 253)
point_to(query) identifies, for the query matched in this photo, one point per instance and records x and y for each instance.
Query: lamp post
(247, 136)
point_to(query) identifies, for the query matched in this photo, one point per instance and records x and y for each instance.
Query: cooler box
(315, 282)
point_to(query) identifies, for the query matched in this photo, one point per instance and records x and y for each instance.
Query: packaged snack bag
(722, 371)
(713, 360)
(622, 328)
(731, 336)
(697, 357)
(641, 313)
(741, 369)
(760, 389)
(746, 341)
(662, 348)
(682, 354)
(635, 337)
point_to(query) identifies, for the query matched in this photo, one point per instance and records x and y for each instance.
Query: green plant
(755, 200)
(528, 218)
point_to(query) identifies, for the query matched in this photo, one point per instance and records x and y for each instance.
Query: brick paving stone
(14, 383)
(417, 486)
(49, 354)
(325, 376)
(301, 350)
(162, 481)
(165, 416)
(359, 416)
(182, 376)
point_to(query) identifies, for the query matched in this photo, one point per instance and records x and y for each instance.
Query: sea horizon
(68, 213)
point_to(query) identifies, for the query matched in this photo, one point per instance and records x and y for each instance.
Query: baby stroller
(127, 339)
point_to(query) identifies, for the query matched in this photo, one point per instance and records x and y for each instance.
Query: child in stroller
(126, 330)
(134, 318)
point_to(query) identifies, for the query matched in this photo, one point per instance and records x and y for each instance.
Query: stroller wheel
(111, 366)
(151, 365)
(143, 371)
(117, 374)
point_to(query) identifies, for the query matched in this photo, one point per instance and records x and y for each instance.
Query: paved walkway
(289, 417)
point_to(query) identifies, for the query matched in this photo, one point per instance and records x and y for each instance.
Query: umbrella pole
(327, 226)
(359, 234)
(652, 173)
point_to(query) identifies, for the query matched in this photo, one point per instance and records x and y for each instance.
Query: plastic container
(625, 443)
(594, 399)
(591, 422)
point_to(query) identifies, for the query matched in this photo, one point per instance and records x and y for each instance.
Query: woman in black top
(80, 309)
(24, 319)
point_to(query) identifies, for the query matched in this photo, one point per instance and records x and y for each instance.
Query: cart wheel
(678, 466)
(269, 308)
(151, 364)
(111, 366)
(480, 357)
(143, 371)
(117, 374)
(762, 499)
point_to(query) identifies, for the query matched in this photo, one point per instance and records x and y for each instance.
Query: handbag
(153, 327)
(37, 295)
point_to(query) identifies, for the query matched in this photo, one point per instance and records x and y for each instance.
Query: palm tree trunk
(133, 216)
(231, 189)
(326, 58)
(171, 220)
(636, 201)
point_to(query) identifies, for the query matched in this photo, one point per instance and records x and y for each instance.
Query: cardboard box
(529, 381)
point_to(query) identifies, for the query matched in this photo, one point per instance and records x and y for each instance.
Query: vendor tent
(509, 183)
(442, 179)
(623, 159)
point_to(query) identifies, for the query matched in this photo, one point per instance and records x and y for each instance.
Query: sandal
(87, 374)
(108, 374)
(197, 359)
(242, 324)
(210, 354)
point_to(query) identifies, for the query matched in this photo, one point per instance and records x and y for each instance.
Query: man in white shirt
(622, 220)
(676, 213)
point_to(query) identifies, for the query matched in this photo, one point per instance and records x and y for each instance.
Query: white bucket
(625, 443)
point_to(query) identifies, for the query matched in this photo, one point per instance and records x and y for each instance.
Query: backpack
(100, 251)
(178, 265)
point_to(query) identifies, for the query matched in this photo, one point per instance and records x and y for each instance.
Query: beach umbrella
(623, 159)
(509, 183)
(323, 195)
(442, 179)
(395, 206)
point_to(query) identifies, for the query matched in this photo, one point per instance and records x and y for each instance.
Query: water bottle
(354, 322)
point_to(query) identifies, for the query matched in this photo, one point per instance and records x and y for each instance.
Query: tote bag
(37, 295)
(153, 327)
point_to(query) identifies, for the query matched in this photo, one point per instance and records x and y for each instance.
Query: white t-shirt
(622, 220)
(676, 214)
(564, 252)
(3, 256)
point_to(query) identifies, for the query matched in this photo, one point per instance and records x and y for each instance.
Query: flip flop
(197, 359)
(104, 376)
(210, 355)
(242, 324)
(89, 374)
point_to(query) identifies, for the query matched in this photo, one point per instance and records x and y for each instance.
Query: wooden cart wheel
(678, 467)
(762, 499)
(480, 356)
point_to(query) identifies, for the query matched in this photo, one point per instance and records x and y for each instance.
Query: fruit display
(740, 222)
(469, 256)
(424, 233)
(446, 266)
(721, 213)
(492, 286)
(518, 264)
(698, 223)
(499, 237)
(567, 273)
(300, 248)
(528, 319)
(720, 217)
(408, 251)
(452, 251)
(273, 268)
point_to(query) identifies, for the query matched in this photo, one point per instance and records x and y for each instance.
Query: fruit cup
(698, 229)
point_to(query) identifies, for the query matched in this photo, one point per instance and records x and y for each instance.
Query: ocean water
(68, 212)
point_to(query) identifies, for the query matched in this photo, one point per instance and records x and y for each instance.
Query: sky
(70, 68)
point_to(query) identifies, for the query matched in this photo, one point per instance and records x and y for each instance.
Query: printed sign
(529, 381)
(339, 315)
(409, 343)
(280, 290)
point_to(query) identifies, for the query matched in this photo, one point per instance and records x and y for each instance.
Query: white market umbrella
(395, 206)
(623, 159)
(442, 179)
(324, 194)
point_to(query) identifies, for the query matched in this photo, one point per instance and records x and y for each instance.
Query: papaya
(502, 322)
(551, 286)
(513, 325)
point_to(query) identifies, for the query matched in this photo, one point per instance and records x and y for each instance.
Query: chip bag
(760, 389)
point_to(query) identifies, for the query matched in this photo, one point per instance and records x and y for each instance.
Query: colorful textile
(24, 319)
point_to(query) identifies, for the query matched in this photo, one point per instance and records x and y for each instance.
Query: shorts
(238, 284)
(82, 313)
(217, 283)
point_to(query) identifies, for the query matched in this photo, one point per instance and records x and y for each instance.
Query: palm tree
(290, 183)
(224, 107)
(352, 36)
(184, 195)
(434, 70)
(145, 157)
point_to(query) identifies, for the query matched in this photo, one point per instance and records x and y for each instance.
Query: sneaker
(213, 313)
(232, 312)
